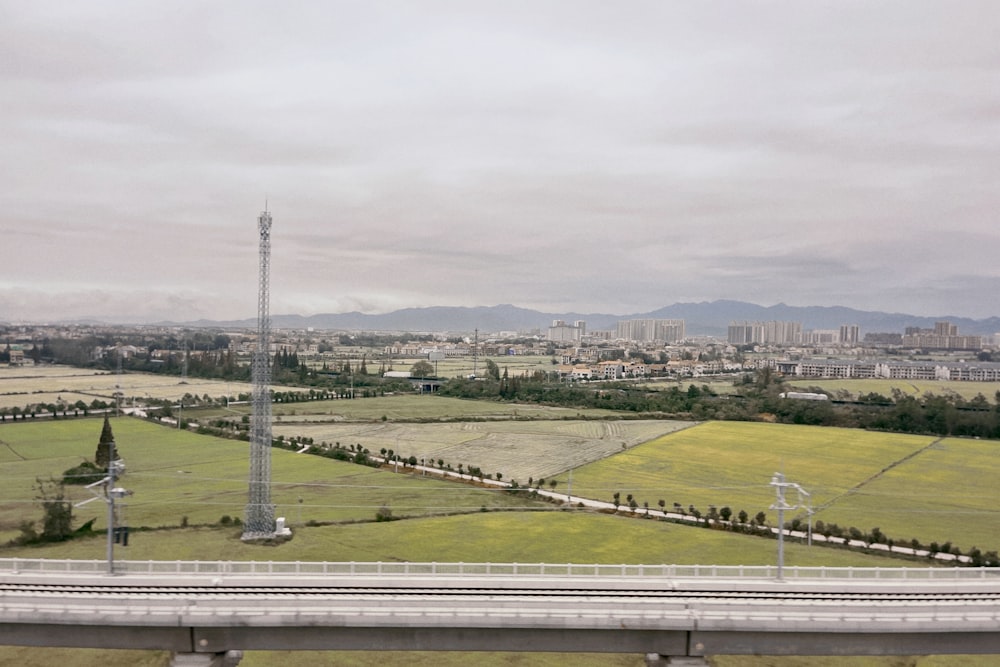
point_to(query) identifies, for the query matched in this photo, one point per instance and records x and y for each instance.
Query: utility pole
(111, 493)
(781, 504)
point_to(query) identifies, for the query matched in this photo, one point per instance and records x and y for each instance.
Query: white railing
(293, 568)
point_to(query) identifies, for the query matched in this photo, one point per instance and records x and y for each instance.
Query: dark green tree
(105, 447)
(422, 369)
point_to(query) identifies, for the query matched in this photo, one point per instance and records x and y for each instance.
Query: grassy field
(177, 474)
(908, 486)
(941, 493)
(496, 536)
(946, 493)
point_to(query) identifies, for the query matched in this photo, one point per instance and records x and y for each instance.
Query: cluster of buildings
(790, 333)
(638, 331)
(944, 336)
(892, 370)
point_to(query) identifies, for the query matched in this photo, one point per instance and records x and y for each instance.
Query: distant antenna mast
(260, 521)
(118, 385)
(475, 355)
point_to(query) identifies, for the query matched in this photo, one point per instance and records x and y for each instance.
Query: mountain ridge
(701, 318)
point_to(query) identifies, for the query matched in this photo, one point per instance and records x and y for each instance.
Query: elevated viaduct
(208, 613)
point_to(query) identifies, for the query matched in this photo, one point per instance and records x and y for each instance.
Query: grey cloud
(540, 153)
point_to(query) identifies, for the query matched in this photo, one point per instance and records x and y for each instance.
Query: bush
(86, 473)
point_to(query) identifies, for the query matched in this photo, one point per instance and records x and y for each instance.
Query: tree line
(757, 397)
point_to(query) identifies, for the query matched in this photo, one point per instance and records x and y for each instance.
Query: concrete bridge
(207, 613)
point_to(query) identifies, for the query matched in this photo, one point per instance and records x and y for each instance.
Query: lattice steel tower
(259, 521)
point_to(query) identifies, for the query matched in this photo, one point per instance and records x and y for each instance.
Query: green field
(942, 493)
(498, 536)
(908, 486)
(177, 474)
(946, 493)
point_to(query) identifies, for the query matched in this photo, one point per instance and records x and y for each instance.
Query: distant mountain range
(704, 318)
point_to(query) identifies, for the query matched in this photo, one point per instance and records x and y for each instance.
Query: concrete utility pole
(780, 504)
(111, 492)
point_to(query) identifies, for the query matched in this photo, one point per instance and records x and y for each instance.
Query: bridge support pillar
(657, 660)
(227, 659)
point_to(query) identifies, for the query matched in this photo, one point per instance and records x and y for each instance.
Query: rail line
(212, 591)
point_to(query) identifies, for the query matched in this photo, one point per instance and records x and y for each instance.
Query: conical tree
(106, 446)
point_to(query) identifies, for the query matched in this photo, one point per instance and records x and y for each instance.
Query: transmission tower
(259, 520)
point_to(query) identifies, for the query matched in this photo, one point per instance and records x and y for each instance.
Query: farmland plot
(19, 386)
(731, 464)
(425, 406)
(21, 400)
(945, 493)
(516, 449)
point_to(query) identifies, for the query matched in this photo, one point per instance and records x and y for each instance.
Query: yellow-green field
(909, 486)
(947, 492)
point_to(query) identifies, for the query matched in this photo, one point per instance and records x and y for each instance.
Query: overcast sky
(567, 155)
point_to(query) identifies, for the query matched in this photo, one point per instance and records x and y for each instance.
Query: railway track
(9, 590)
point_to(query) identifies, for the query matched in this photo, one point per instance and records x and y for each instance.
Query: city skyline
(561, 157)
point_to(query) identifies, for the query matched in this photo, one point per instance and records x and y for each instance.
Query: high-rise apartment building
(649, 331)
(774, 332)
(850, 334)
(561, 332)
